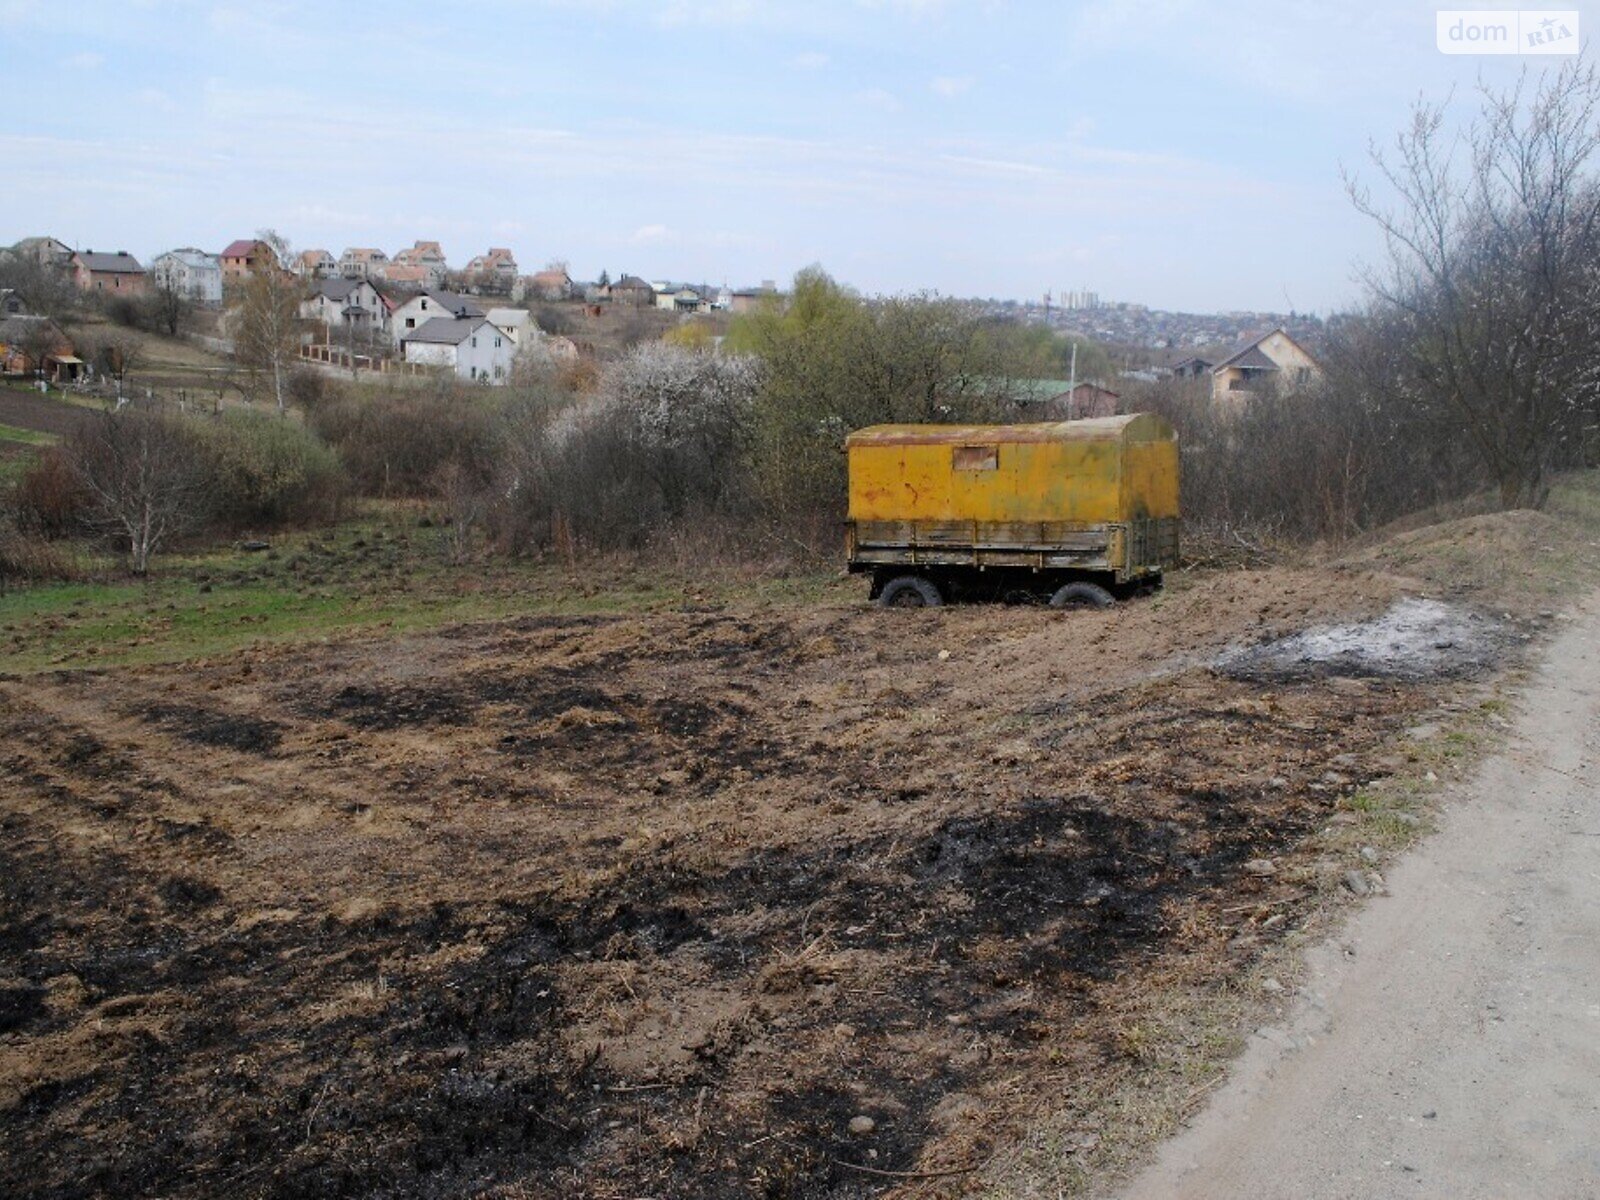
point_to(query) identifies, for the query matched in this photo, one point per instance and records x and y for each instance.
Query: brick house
(245, 257)
(34, 345)
(495, 271)
(118, 273)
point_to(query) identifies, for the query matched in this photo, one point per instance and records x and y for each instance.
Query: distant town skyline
(1173, 154)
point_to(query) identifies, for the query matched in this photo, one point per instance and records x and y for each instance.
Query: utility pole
(1072, 383)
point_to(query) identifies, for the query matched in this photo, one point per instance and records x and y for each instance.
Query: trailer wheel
(1081, 595)
(909, 591)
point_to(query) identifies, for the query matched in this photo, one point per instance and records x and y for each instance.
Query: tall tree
(267, 330)
(1492, 286)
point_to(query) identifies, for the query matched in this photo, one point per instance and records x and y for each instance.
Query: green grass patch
(26, 437)
(370, 575)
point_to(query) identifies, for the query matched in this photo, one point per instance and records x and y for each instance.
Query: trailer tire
(909, 591)
(1081, 595)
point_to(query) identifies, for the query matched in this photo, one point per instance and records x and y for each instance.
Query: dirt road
(1448, 1045)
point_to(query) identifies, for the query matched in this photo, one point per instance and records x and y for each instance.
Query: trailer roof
(1096, 429)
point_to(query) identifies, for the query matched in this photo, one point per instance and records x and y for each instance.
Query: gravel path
(1448, 1044)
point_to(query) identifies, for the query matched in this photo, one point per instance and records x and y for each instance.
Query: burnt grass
(462, 1080)
(453, 1045)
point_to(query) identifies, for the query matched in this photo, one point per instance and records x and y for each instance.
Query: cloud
(153, 97)
(811, 60)
(880, 99)
(85, 60)
(951, 86)
(652, 235)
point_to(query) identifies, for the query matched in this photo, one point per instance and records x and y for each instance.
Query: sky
(1173, 153)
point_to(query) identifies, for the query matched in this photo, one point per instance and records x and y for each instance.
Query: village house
(515, 321)
(1087, 400)
(472, 348)
(347, 306)
(749, 299)
(12, 302)
(1194, 367)
(427, 256)
(416, 312)
(679, 298)
(191, 273)
(362, 262)
(36, 346)
(553, 283)
(315, 264)
(44, 251)
(630, 289)
(406, 277)
(495, 271)
(102, 272)
(1260, 363)
(245, 257)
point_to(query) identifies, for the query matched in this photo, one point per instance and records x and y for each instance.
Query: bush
(49, 499)
(307, 389)
(1326, 462)
(271, 471)
(665, 441)
(554, 320)
(397, 444)
(27, 558)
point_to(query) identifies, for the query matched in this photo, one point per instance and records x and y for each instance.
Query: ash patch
(1414, 640)
(210, 727)
(381, 708)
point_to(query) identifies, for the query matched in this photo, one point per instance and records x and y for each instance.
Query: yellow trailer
(1074, 511)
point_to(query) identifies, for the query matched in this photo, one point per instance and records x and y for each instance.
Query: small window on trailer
(976, 458)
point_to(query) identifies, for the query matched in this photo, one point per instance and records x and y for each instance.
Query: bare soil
(46, 414)
(644, 905)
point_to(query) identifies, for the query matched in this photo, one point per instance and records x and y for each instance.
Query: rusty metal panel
(1083, 472)
(1098, 494)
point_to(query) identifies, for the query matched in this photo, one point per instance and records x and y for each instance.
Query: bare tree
(144, 476)
(41, 340)
(47, 287)
(115, 354)
(267, 336)
(1492, 286)
(168, 304)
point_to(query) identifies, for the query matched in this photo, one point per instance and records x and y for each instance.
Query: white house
(315, 264)
(515, 321)
(190, 272)
(473, 348)
(425, 306)
(362, 262)
(341, 303)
